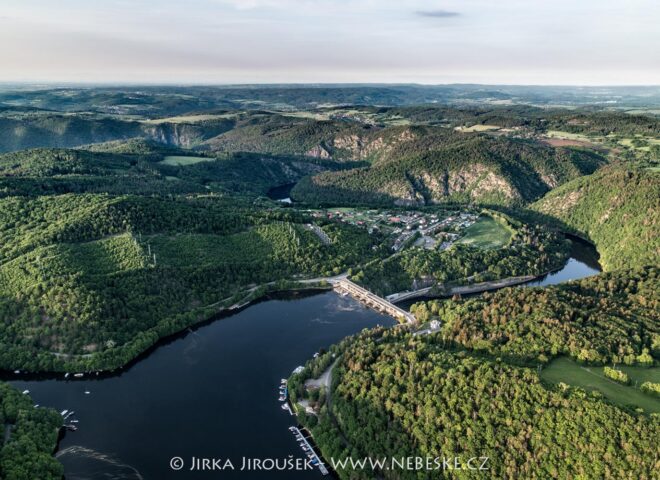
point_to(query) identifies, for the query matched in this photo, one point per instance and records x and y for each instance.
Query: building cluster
(425, 229)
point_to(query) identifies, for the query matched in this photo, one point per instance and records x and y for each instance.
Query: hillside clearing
(179, 160)
(486, 233)
(592, 378)
(478, 128)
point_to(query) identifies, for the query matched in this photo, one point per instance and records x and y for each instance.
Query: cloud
(437, 13)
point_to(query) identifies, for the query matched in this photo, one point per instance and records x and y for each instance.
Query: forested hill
(409, 397)
(612, 317)
(51, 129)
(171, 99)
(31, 437)
(463, 390)
(148, 168)
(346, 132)
(618, 208)
(89, 281)
(476, 169)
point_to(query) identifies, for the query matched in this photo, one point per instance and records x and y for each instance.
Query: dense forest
(617, 208)
(397, 395)
(612, 317)
(28, 437)
(473, 388)
(90, 281)
(146, 168)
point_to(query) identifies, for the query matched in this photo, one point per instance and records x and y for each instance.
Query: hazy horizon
(55, 83)
(255, 42)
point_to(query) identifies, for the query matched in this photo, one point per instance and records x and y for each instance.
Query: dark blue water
(582, 263)
(210, 393)
(281, 193)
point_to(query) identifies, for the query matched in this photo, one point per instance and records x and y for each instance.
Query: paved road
(464, 289)
(325, 380)
(335, 279)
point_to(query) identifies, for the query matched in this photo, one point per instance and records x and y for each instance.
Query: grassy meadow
(592, 378)
(486, 233)
(181, 161)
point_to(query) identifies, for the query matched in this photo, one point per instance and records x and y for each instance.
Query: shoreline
(493, 285)
(7, 375)
(254, 295)
(480, 287)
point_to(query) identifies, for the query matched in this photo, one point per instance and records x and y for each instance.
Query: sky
(541, 42)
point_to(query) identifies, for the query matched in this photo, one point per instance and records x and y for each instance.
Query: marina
(304, 438)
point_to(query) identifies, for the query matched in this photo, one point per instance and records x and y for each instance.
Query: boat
(25, 392)
(87, 392)
(283, 381)
(66, 375)
(64, 412)
(78, 375)
(282, 399)
(73, 428)
(285, 406)
(75, 421)
(36, 406)
(17, 372)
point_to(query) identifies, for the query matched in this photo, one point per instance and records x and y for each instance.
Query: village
(439, 229)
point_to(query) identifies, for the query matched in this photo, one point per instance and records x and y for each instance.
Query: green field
(568, 135)
(188, 118)
(179, 160)
(646, 146)
(478, 128)
(592, 378)
(486, 233)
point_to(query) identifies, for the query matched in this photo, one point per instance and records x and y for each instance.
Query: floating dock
(312, 455)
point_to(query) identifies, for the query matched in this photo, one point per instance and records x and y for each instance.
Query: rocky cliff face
(318, 151)
(411, 167)
(373, 145)
(368, 146)
(474, 183)
(186, 135)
